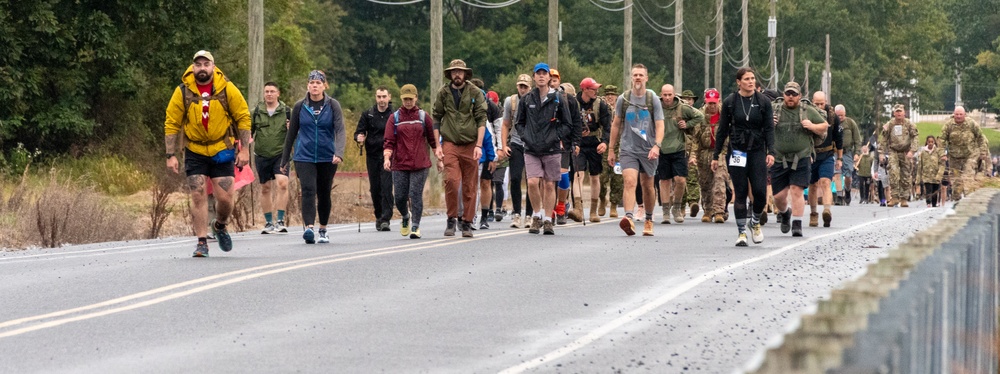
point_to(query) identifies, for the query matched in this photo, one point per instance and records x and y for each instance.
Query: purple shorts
(546, 167)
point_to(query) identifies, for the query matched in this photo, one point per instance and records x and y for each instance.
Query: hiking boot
(903, 204)
(718, 218)
(225, 241)
(627, 226)
(756, 234)
(678, 212)
(647, 228)
(280, 227)
(466, 229)
(603, 207)
(484, 225)
(322, 236)
(548, 228)
(515, 223)
(725, 216)
(797, 228)
(763, 218)
(415, 233)
(404, 227)
(838, 201)
(666, 214)
(309, 236)
(536, 225)
(612, 211)
(384, 226)
(786, 221)
(827, 217)
(576, 214)
(561, 219)
(201, 250)
(706, 218)
(892, 203)
(694, 210)
(814, 219)
(741, 240)
(450, 229)
(268, 228)
(594, 217)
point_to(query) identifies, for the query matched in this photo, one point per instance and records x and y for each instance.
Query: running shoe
(756, 234)
(309, 236)
(484, 225)
(741, 241)
(280, 227)
(627, 226)
(647, 228)
(201, 250)
(415, 233)
(404, 227)
(515, 222)
(322, 236)
(225, 241)
(268, 228)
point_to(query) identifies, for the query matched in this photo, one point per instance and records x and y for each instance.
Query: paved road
(586, 300)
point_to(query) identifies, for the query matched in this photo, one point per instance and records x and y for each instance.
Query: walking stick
(361, 152)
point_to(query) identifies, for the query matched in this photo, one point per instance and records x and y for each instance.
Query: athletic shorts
(546, 167)
(672, 165)
(484, 171)
(589, 160)
(848, 167)
(499, 174)
(782, 177)
(642, 164)
(567, 158)
(196, 164)
(268, 168)
(822, 169)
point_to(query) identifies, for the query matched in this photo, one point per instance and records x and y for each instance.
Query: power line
(487, 5)
(609, 9)
(395, 3)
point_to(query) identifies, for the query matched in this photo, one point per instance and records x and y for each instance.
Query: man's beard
(458, 81)
(203, 76)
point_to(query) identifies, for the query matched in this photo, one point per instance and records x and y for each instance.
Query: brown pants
(460, 169)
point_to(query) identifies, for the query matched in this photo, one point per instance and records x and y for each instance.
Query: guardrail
(929, 306)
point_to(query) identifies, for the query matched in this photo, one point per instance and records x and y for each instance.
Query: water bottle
(618, 168)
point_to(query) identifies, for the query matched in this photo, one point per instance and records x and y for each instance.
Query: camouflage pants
(615, 181)
(713, 184)
(693, 193)
(900, 175)
(962, 172)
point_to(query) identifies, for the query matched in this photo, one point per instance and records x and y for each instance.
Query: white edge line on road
(15, 257)
(616, 323)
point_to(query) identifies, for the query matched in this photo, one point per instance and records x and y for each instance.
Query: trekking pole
(361, 152)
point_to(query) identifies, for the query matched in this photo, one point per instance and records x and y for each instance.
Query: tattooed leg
(199, 204)
(223, 191)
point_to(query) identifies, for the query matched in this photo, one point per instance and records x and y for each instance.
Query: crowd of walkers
(763, 151)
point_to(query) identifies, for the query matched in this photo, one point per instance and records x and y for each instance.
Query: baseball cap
(589, 83)
(610, 90)
(205, 54)
(554, 73)
(898, 108)
(408, 91)
(792, 86)
(524, 79)
(712, 95)
(541, 66)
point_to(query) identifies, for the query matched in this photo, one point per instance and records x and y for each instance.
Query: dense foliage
(84, 74)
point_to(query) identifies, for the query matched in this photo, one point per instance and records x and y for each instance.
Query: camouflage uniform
(930, 169)
(713, 185)
(963, 142)
(895, 140)
(608, 176)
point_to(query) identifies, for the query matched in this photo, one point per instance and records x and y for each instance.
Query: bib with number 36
(738, 159)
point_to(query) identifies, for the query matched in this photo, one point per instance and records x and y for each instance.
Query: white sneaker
(741, 241)
(756, 233)
(515, 223)
(322, 236)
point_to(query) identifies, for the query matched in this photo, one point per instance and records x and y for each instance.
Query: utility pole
(958, 80)
(772, 33)
(255, 12)
(718, 47)
(627, 55)
(679, 45)
(791, 64)
(746, 42)
(825, 82)
(707, 69)
(437, 56)
(553, 59)
(805, 85)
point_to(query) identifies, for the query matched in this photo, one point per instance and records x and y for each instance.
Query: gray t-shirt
(508, 116)
(638, 135)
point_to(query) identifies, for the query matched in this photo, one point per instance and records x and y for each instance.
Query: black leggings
(516, 169)
(931, 193)
(752, 177)
(316, 180)
(865, 186)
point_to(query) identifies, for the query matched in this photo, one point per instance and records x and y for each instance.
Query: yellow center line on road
(280, 268)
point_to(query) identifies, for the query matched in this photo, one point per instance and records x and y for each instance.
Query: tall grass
(928, 128)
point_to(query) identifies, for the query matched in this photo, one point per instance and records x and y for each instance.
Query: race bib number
(738, 159)
(897, 130)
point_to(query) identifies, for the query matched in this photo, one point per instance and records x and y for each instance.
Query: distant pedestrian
(370, 130)
(930, 170)
(460, 119)
(797, 127)
(408, 133)
(962, 140)
(512, 148)
(897, 144)
(204, 115)
(269, 129)
(316, 130)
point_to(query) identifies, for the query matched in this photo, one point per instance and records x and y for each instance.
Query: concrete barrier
(929, 306)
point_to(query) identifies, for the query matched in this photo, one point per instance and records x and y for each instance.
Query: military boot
(602, 209)
(718, 218)
(678, 212)
(594, 217)
(814, 219)
(706, 218)
(827, 217)
(576, 214)
(694, 210)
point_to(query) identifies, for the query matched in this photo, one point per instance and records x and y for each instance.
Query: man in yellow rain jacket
(204, 115)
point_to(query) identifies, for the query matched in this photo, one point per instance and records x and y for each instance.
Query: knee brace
(564, 181)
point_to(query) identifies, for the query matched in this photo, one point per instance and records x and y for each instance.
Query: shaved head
(959, 114)
(819, 98)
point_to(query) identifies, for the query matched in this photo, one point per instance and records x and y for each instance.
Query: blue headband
(317, 75)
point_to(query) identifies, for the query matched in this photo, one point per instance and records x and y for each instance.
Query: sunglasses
(791, 93)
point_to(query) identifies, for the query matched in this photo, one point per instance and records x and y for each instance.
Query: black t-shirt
(316, 106)
(456, 94)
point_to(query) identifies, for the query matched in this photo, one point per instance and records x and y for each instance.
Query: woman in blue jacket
(316, 129)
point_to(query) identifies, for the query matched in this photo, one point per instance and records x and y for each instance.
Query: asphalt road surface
(587, 300)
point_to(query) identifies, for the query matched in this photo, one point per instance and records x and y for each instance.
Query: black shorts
(195, 164)
(589, 160)
(268, 168)
(485, 172)
(567, 158)
(782, 177)
(672, 165)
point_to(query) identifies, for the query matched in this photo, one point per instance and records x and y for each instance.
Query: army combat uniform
(962, 142)
(609, 179)
(712, 184)
(896, 139)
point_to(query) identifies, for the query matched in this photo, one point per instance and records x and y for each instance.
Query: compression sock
(268, 216)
